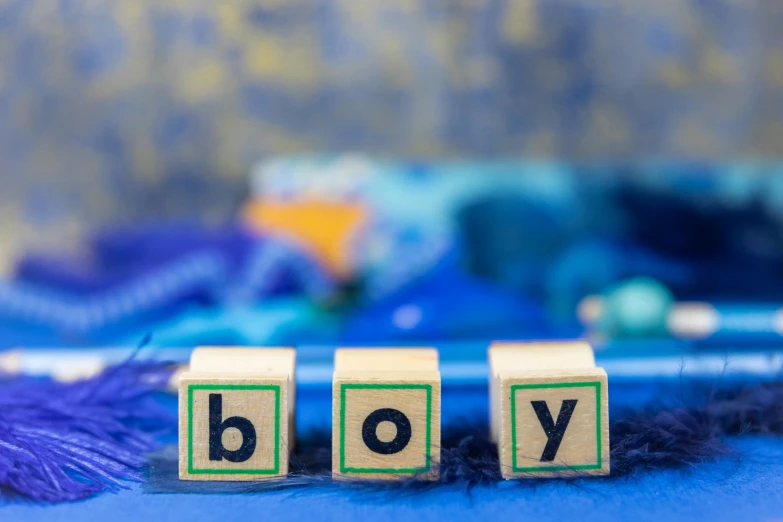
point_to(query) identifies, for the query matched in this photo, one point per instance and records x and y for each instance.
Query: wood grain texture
(402, 388)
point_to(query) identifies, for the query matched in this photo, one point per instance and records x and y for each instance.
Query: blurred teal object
(590, 266)
(511, 239)
(638, 307)
(276, 321)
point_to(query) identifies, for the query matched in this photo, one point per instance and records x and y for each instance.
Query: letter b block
(232, 428)
(234, 421)
(386, 424)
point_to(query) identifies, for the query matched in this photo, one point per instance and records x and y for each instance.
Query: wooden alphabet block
(549, 410)
(386, 413)
(253, 360)
(235, 414)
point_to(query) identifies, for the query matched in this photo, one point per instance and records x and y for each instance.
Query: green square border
(269, 387)
(515, 387)
(362, 386)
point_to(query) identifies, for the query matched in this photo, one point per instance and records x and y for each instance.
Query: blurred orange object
(323, 228)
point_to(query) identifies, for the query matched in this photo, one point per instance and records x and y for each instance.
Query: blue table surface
(745, 487)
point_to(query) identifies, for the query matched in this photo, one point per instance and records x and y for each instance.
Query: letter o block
(233, 427)
(386, 425)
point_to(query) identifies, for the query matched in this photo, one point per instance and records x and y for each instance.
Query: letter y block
(549, 410)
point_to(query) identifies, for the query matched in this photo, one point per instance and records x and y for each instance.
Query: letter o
(398, 443)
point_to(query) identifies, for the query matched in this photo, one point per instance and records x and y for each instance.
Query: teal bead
(636, 308)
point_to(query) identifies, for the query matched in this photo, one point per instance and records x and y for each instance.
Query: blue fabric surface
(744, 487)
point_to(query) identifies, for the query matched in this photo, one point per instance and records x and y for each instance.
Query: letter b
(217, 426)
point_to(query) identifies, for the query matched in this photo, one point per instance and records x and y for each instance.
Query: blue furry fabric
(660, 437)
(68, 441)
(657, 437)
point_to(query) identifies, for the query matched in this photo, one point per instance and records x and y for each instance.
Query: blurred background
(334, 171)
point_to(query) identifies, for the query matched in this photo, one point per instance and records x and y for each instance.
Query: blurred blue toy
(447, 304)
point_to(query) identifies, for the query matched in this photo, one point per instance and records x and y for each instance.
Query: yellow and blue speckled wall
(115, 108)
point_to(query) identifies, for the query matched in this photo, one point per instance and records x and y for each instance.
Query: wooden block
(172, 386)
(386, 359)
(518, 356)
(235, 414)
(550, 410)
(386, 414)
(220, 359)
(252, 360)
(542, 355)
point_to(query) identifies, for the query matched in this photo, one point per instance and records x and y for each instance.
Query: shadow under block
(386, 423)
(550, 410)
(235, 414)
